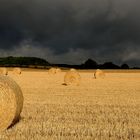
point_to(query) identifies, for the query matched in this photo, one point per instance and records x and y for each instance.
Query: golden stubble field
(97, 109)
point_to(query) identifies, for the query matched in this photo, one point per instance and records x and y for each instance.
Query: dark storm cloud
(107, 30)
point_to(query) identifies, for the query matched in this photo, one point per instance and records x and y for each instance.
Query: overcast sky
(71, 31)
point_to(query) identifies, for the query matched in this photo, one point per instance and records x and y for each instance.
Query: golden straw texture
(4, 71)
(58, 70)
(72, 78)
(17, 70)
(72, 69)
(11, 102)
(99, 74)
(54, 71)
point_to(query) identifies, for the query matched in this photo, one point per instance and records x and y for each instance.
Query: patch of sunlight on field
(97, 109)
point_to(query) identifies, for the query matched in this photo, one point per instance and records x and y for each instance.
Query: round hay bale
(4, 71)
(72, 78)
(99, 74)
(57, 70)
(11, 102)
(72, 69)
(17, 70)
(52, 71)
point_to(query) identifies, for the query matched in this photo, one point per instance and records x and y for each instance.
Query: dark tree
(22, 61)
(109, 65)
(124, 66)
(90, 64)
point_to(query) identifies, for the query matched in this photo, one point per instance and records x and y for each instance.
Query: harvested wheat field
(97, 109)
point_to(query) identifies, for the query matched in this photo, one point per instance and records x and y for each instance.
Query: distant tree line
(22, 61)
(34, 62)
(91, 64)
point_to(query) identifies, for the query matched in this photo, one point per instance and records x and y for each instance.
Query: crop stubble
(101, 109)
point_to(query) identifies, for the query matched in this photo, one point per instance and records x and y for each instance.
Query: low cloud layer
(70, 31)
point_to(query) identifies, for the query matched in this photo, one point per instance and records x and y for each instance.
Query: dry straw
(11, 102)
(72, 69)
(17, 70)
(4, 71)
(58, 70)
(72, 78)
(54, 70)
(99, 74)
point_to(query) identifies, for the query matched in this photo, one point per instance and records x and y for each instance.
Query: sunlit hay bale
(72, 78)
(4, 71)
(99, 74)
(57, 70)
(52, 71)
(72, 69)
(11, 102)
(17, 71)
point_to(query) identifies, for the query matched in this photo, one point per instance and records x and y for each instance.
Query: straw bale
(58, 70)
(17, 70)
(72, 78)
(11, 102)
(99, 74)
(52, 71)
(72, 69)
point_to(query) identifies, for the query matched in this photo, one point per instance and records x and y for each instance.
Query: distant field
(82, 70)
(97, 109)
(114, 71)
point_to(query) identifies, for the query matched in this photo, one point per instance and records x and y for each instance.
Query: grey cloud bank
(70, 31)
